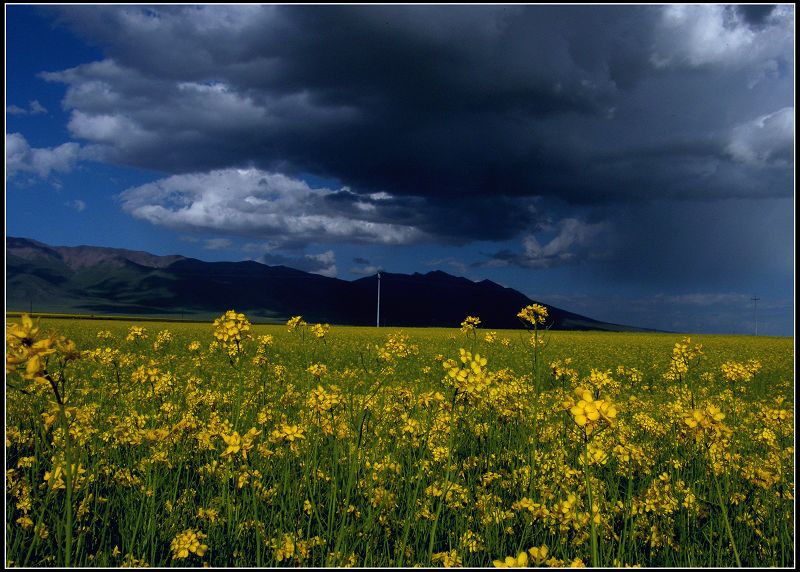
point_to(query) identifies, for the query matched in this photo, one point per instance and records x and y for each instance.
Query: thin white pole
(378, 319)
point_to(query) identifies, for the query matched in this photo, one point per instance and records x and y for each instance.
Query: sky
(634, 164)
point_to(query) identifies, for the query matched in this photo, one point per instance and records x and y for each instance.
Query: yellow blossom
(234, 443)
(188, 541)
(521, 561)
(534, 314)
(539, 554)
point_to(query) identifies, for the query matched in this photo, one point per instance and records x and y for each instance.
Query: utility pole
(378, 318)
(755, 311)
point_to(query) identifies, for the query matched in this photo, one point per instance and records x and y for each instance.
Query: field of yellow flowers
(231, 444)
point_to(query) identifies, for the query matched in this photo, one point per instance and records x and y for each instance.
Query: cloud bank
(571, 130)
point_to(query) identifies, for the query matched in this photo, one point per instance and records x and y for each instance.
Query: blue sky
(633, 164)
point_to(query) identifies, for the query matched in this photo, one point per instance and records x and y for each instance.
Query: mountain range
(98, 280)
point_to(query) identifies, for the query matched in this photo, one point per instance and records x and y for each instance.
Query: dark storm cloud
(453, 220)
(409, 100)
(755, 14)
(444, 123)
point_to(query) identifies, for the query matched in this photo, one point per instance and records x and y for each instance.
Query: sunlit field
(231, 444)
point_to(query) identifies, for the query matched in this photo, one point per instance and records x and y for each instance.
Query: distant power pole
(378, 318)
(755, 311)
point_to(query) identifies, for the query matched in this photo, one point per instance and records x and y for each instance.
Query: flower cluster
(25, 346)
(449, 559)
(538, 555)
(740, 372)
(520, 561)
(561, 370)
(706, 417)
(264, 342)
(188, 541)
(682, 355)
(317, 370)
(296, 322)
(398, 345)
(321, 400)
(469, 377)
(320, 330)
(590, 413)
(287, 432)
(239, 443)
(230, 330)
(469, 324)
(136, 333)
(707, 422)
(534, 314)
(163, 338)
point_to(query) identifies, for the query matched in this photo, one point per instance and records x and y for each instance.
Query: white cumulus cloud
(22, 158)
(256, 203)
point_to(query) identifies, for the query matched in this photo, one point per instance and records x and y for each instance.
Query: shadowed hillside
(87, 279)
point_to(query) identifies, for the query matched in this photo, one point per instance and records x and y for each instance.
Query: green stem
(444, 492)
(625, 532)
(593, 527)
(725, 516)
(68, 478)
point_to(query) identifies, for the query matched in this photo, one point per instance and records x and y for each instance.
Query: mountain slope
(87, 279)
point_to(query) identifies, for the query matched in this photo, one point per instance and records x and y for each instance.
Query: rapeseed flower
(682, 355)
(521, 561)
(469, 324)
(290, 433)
(471, 542)
(163, 338)
(233, 442)
(320, 330)
(295, 323)
(230, 331)
(449, 559)
(588, 413)
(740, 372)
(136, 333)
(534, 314)
(25, 346)
(539, 554)
(188, 541)
(317, 369)
(705, 418)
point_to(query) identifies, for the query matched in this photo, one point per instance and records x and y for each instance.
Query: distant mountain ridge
(98, 280)
(84, 256)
